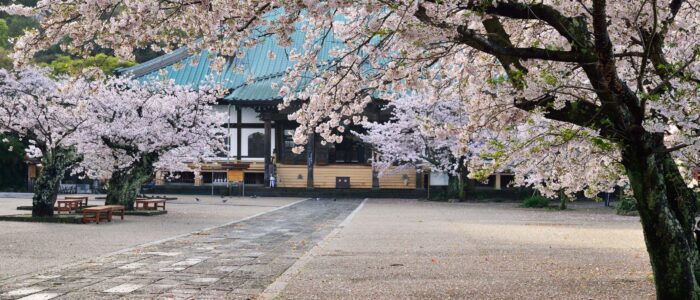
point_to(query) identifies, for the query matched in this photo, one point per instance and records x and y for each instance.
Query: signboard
(439, 179)
(234, 175)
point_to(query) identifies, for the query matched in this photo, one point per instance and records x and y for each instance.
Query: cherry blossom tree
(48, 113)
(137, 127)
(568, 159)
(556, 159)
(626, 71)
(422, 134)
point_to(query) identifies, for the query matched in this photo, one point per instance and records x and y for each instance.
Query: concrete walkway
(234, 261)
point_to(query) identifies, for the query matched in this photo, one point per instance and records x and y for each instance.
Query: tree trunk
(453, 187)
(562, 200)
(667, 210)
(461, 193)
(55, 163)
(463, 182)
(125, 184)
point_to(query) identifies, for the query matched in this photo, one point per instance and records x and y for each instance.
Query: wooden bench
(149, 204)
(94, 213)
(84, 199)
(119, 209)
(68, 205)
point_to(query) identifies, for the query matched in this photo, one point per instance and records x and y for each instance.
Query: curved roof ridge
(155, 63)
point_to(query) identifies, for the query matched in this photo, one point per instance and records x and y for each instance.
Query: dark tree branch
(581, 113)
(477, 41)
(573, 29)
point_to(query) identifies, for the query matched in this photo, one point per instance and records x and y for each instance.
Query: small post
(310, 162)
(268, 150)
(419, 178)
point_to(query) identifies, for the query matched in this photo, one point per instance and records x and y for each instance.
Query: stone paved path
(235, 261)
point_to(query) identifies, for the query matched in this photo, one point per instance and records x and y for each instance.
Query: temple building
(259, 137)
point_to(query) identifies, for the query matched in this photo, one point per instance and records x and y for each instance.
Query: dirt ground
(407, 249)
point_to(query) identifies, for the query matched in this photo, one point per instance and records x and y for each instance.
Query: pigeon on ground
(254, 196)
(224, 200)
(196, 199)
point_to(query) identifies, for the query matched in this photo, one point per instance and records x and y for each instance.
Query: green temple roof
(249, 78)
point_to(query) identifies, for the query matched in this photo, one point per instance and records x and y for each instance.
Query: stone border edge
(275, 288)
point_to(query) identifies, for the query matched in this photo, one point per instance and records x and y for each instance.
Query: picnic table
(94, 214)
(149, 203)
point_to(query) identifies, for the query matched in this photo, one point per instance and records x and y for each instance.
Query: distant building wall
(360, 176)
(404, 179)
(294, 176)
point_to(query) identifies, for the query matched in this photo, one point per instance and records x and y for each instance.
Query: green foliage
(16, 25)
(12, 27)
(14, 143)
(535, 201)
(4, 34)
(601, 144)
(627, 206)
(13, 171)
(498, 79)
(5, 60)
(548, 77)
(568, 134)
(64, 64)
(23, 2)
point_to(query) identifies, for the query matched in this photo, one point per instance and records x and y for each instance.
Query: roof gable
(250, 76)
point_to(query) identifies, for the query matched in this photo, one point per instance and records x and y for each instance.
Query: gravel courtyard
(385, 249)
(31, 247)
(426, 250)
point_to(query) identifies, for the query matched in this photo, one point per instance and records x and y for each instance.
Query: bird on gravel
(196, 199)
(224, 200)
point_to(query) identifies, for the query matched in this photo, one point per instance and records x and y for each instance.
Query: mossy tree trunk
(125, 184)
(562, 200)
(667, 209)
(54, 163)
(463, 182)
(457, 184)
(455, 187)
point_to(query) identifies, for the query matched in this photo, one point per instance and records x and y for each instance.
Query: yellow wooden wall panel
(324, 176)
(288, 176)
(392, 179)
(360, 176)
